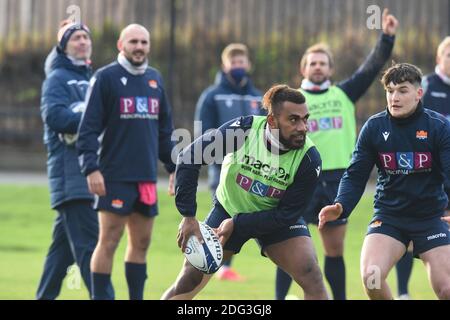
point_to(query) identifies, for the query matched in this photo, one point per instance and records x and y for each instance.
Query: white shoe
(404, 297)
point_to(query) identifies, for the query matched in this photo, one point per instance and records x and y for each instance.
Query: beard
(294, 142)
(134, 62)
(318, 79)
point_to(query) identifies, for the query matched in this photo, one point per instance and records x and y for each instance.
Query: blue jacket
(133, 116)
(437, 95)
(437, 98)
(64, 87)
(226, 101)
(412, 156)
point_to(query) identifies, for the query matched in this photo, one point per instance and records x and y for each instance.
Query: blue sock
(101, 286)
(404, 269)
(136, 275)
(334, 270)
(227, 263)
(282, 284)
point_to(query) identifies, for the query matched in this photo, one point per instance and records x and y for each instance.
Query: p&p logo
(258, 188)
(324, 124)
(406, 160)
(139, 108)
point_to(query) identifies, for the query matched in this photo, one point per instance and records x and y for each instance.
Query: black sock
(404, 269)
(136, 274)
(335, 275)
(282, 284)
(101, 286)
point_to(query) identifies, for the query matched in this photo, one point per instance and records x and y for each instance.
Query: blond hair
(232, 50)
(442, 46)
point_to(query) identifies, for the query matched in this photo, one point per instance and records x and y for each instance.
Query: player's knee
(372, 276)
(443, 292)
(141, 244)
(308, 273)
(189, 280)
(316, 279)
(334, 249)
(109, 245)
(311, 281)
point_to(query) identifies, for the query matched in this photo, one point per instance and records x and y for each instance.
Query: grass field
(25, 234)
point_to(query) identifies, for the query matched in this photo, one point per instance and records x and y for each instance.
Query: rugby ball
(206, 257)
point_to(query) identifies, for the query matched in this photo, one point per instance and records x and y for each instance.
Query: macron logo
(438, 235)
(298, 226)
(236, 124)
(318, 171)
(386, 135)
(124, 80)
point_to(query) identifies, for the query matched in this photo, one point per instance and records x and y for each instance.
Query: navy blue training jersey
(412, 156)
(132, 116)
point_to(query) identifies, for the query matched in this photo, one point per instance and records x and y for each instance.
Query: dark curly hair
(275, 96)
(402, 72)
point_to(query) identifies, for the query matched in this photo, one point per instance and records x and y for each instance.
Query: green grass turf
(25, 234)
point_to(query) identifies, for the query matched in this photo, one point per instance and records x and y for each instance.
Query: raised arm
(361, 80)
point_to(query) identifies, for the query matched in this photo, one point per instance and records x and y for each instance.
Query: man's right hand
(188, 227)
(329, 213)
(96, 183)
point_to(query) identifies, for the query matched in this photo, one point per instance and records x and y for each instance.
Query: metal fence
(20, 125)
(188, 36)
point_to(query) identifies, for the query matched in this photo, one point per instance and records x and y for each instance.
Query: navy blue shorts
(235, 242)
(122, 198)
(425, 234)
(324, 195)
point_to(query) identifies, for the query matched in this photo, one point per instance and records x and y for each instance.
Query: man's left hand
(390, 23)
(225, 230)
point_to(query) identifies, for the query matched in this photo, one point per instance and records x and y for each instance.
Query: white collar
(443, 76)
(134, 70)
(77, 62)
(311, 86)
(273, 139)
